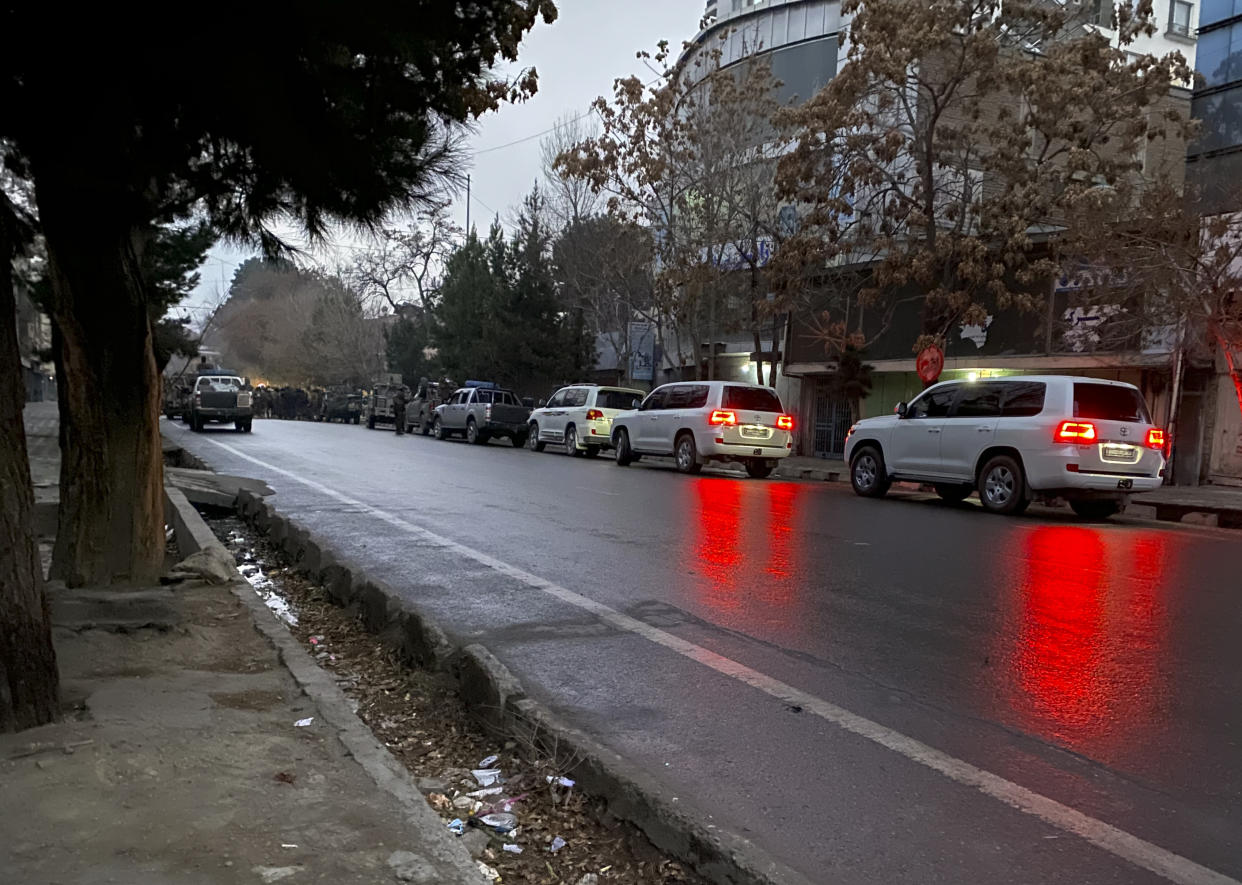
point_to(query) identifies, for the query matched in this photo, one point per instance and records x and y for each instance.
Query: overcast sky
(578, 57)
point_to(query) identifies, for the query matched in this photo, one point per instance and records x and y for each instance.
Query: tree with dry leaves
(1181, 273)
(404, 263)
(683, 156)
(946, 157)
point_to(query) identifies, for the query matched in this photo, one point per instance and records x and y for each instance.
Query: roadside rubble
(517, 810)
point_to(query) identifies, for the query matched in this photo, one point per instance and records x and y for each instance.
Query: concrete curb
(495, 695)
(451, 861)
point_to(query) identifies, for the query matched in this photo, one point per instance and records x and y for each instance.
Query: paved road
(872, 691)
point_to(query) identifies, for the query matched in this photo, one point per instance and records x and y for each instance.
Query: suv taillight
(1155, 438)
(198, 399)
(722, 417)
(784, 422)
(594, 415)
(1076, 432)
(487, 413)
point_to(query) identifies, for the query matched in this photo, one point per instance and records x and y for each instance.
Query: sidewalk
(180, 760)
(815, 469)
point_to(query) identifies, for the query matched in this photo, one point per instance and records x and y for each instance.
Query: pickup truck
(479, 411)
(379, 404)
(221, 397)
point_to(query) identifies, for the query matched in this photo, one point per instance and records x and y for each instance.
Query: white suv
(1088, 441)
(701, 421)
(580, 417)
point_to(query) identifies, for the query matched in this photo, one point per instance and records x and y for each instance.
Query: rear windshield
(219, 385)
(617, 399)
(1105, 402)
(751, 399)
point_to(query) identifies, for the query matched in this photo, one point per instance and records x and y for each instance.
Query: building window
(1179, 18)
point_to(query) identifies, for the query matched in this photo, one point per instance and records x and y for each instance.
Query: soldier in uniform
(399, 402)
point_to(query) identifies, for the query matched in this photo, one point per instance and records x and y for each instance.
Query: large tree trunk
(111, 478)
(29, 682)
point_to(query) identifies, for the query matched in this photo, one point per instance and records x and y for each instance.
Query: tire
(248, 426)
(623, 454)
(239, 426)
(1002, 486)
(952, 492)
(868, 475)
(758, 469)
(424, 427)
(370, 422)
(357, 419)
(518, 440)
(195, 424)
(686, 454)
(571, 442)
(591, 451)
(473, 436)
(532, 439)
(1096, 509)
(437, 427)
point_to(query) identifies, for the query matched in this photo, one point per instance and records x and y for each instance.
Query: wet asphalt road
(995, 664)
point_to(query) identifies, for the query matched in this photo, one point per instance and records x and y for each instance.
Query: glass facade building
(1215, 158)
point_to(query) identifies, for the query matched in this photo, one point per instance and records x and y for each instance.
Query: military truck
(220, 396)
(175, 396)
(379, 407)
(342, 405)
(480, 411)
(421, 411)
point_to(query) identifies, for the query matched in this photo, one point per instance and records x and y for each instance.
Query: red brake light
(723, 417)
(1080, 432)
(1155, 438)
(594, 415)
(784, 422)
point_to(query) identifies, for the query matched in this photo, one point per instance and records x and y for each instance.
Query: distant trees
(285, 325)
(501, 316)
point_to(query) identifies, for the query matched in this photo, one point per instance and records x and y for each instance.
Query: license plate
(757, 452)
(1125, 483)
(755, 432)
(1124, 454)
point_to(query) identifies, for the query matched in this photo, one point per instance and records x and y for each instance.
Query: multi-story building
(1214, 161)
(802, 39)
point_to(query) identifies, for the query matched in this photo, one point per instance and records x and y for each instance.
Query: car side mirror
(901, 409)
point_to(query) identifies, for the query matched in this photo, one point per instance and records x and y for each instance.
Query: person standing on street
(399, 402)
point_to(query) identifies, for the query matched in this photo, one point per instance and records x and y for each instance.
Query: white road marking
(1115, 841)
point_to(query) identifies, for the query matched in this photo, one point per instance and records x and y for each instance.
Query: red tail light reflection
(745, 542)
(1086, 659)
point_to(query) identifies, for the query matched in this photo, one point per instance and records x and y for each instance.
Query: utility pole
(467, 206)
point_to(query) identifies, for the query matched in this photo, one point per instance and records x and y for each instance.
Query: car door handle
(983, 429)
(933, 430)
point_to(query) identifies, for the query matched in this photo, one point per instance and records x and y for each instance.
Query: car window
(687, 396)
(934, 404)
(1022, 399)
(751, 399)
(617, 399)
(558, 399)
(505, 397)
(655, 400)
(979, 400)
(219, 385)
(482, 396)
(575, 396)
(460, 396)
(1106, 402)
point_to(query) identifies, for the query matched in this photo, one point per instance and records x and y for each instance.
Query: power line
(551, 128)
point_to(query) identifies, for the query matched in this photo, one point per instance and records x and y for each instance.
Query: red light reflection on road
(746, 543)
(1085, 664)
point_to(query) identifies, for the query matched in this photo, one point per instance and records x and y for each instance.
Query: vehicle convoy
(580, 418)
(220, 397)
(420, 413)
(379, 403)
(704, 421)
(1014, 439)
(479, 411)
